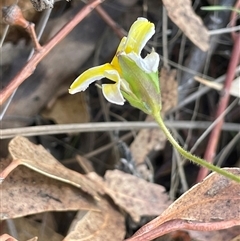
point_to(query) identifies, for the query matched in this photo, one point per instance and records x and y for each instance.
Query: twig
(119, 31)
(12, 15)
(41, 26)
(30, 66)
(106, 126)
(215, 134)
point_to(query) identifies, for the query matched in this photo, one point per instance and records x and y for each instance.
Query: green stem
(191, 157)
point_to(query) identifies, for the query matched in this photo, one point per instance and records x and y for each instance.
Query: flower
(134, 78)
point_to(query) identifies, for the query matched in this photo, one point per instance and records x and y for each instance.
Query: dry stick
(119, 31)
(30, 66)
(213, 139)
(106, 126)
(215, 134)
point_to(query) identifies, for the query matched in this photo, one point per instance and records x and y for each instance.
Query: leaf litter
(148, 199)
(37, 158)
(33, 186)
(210, 205)
(26, 192)
(103, 214)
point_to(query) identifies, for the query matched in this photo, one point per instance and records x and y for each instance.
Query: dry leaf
(149, 140)
(183, 15)
(26, 228)
(68, 109)
(219, 235)
(6, 237)
(40, 160)
(85, 164)
(136, 196)
(234, 89)
(210, 205)
(169, 89)
(99, 182)
(26, 192)
(146, 141)
(236, 238)
(107, 225)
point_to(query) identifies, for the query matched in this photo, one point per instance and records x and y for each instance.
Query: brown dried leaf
(67, 109)
(210, 205)
(6, 237)
(26, 192)
(146, 141)
(149, 140)
(107, 225)
(99, 182)
(136, 196)
(37, 158)
(26, 228)
(183, 15)
(236, 238)
(219, 235)
(169, 89)
(85, 164)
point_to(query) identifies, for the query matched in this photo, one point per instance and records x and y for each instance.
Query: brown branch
(215, 134)
(119, 31)
(30, 66)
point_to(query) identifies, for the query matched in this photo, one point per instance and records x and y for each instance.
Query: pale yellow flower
(128, 70)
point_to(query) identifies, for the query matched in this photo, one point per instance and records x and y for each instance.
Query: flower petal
(149, 64)
(140, 32)
(82, 82)
(120, 49)
(112, 92)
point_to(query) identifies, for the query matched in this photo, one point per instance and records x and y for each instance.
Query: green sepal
(136, 103)
(145, 86)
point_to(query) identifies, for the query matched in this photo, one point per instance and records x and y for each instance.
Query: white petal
(149, 64)
(112, 92)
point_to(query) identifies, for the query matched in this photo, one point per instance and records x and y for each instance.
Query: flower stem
(189, 156)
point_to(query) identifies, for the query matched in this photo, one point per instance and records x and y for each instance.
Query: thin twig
(119, 31)
(106, 126)
(30, 66)
(215, 134)
(41, 26)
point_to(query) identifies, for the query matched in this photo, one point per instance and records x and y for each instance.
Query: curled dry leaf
(26, 192)
(210, 205)
(107, 225)
(183, 15)
(134, 195)
(40, 160)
